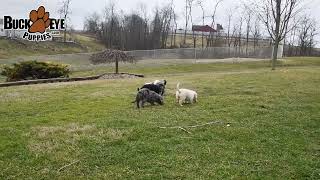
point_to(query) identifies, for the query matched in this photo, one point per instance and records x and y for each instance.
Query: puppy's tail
(138, 89)
(178, 87)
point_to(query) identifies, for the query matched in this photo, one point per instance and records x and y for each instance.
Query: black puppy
(158, 88)
(145, 95)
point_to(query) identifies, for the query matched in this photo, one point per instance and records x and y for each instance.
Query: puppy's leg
(181, 101)
(195, 98)
(177, 96)
(190, 99)
(140, 104)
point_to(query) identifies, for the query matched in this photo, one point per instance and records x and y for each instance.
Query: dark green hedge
(28, 70)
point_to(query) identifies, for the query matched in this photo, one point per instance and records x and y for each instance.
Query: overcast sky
(80, 9)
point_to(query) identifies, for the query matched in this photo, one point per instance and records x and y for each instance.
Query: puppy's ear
(138, 89)
(165, 82)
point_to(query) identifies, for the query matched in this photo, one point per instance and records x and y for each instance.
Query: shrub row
(28, 70)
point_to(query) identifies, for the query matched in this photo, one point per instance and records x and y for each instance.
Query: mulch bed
(56, 80)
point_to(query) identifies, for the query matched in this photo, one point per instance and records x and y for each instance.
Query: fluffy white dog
(185, 95)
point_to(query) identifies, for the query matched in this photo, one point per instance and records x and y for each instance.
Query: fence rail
(205, 53)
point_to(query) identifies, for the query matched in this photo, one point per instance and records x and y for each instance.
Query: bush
(29, 70)
(111, 56)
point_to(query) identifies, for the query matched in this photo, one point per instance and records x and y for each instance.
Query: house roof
(205, 28)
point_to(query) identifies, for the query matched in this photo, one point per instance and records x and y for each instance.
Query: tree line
(244, 27)
(133, 31)
(301, 40)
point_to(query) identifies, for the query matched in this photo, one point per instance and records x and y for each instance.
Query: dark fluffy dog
(157, 87)
(145, 95)
(157, 82)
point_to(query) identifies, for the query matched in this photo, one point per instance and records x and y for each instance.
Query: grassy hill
(91, 128)
(13, 48)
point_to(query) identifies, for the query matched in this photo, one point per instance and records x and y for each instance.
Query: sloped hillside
(13, 48)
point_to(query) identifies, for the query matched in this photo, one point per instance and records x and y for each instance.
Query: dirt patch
(71, 129)
(10, 95)
(50, 139)
(46, 139)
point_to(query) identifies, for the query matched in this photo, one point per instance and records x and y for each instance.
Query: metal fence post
(195, 55)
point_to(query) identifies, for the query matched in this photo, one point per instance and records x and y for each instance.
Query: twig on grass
(65, 166)
(194, 126)
(183, 129)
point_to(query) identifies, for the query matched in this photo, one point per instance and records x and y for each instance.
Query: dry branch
(63, 167)
(193, 126)
(183, 129)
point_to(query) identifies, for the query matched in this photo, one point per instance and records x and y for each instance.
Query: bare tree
(91, 24)
(110, 14)
(188, 17)
(174, 31)
(307, 31)
(172, 24)
(143, 9)
(276, 15)
(65, 12)
(156, 30)
(213, 17)
(312, 42)
(301, 39)
(166, 17)
(291, 39)
(239, 38)
(228, 38)
(256, 33)
(186, 22)
(234, 36)
(248, 28)
(200, 3)
(118, 30)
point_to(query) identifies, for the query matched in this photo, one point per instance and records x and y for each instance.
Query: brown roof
(205, 28)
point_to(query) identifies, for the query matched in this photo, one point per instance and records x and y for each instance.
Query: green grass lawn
(92, 127)
(171, 67)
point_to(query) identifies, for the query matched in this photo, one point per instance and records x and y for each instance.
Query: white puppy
(185, 95)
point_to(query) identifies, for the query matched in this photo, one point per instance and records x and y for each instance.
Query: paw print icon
(40, 20)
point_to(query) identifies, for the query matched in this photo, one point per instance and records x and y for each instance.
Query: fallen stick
(65, 166)
(183, 129)
(194, 126)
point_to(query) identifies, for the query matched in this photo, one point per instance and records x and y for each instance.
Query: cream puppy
(185, 95)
